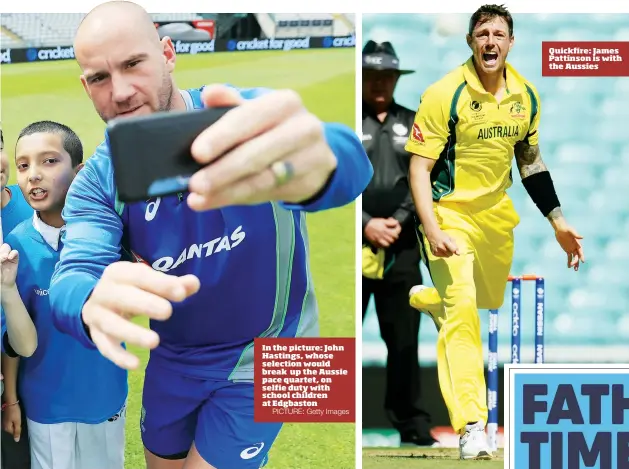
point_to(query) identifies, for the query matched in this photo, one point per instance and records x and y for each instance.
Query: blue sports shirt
(252, 261)
(62, 381)
(16, 211)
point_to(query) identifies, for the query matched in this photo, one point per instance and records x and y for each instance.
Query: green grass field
(432, 458)
(325, 80)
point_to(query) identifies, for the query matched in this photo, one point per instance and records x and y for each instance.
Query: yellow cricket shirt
(471, 134)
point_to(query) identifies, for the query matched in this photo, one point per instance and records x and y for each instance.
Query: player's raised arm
(284, 153)
(351, 176)
(538, 183)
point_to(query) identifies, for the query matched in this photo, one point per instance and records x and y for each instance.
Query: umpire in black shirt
(388, 225)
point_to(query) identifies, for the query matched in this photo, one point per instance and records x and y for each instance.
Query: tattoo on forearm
(555, 214)
(529, 159)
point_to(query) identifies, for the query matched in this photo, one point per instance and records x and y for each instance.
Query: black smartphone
(151, 154)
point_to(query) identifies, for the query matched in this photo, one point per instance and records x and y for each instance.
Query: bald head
(118, 7)
(120, 19)
(126, 67)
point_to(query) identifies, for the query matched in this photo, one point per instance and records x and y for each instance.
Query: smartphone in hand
(151, 154)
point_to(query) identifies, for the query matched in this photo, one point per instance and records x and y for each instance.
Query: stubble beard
(165, 98)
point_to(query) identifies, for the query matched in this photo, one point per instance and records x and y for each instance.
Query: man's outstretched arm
(540, 187)
(284, 154)
(350, 177)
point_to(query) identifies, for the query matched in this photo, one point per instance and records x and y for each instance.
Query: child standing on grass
(74, 398)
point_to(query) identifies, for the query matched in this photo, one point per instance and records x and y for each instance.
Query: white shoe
(473, 443)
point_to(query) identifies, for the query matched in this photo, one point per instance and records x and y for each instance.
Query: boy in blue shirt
(74, 419)
(15, 451)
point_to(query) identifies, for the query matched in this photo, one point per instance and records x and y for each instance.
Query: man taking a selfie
(227, 262)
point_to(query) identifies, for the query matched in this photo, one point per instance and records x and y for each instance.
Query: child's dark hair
(487, 13)
(71, 142)
(1, 140)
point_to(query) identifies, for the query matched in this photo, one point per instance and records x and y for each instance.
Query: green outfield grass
(325, 80)
(429, 458)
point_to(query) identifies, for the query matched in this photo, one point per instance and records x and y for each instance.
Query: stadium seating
(7, 41)
(53, 29)
(310, 24)
(584, 141)
(295, 25)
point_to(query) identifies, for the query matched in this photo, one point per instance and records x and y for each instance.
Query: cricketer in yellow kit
(468, 127)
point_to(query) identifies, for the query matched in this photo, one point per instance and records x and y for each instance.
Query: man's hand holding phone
(234, 152)
(270, 148)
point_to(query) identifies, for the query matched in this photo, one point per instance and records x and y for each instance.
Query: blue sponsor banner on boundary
(66, 52)
(567, 417)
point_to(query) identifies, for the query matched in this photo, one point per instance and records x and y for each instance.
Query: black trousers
(16, 455)
(399, 328)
